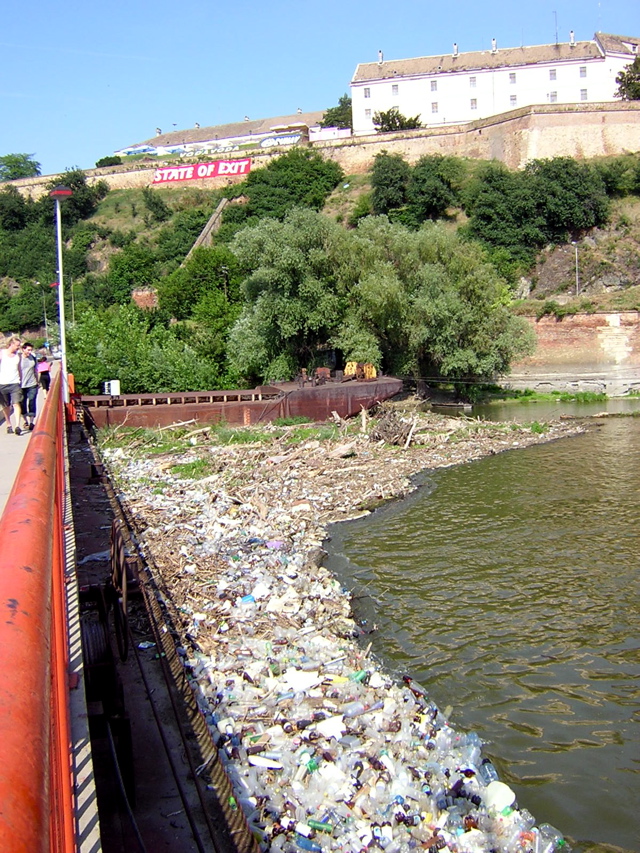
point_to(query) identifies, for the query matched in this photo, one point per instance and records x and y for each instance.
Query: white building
(461, 87)
(222, 139)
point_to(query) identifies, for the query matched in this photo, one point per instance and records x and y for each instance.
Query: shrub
(156, 205)
(108, 161)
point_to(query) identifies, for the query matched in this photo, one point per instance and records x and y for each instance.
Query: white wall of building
(462, 96)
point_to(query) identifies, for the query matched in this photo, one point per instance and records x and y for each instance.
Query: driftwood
(393, 430)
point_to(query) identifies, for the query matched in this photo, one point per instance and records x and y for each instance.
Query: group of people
(22, 372)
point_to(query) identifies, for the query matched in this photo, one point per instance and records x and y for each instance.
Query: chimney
(455, 48)
(494, 46)
(380, 57)
(572, 39)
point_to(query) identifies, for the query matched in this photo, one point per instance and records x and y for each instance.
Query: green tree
(81, 204)
(618, 174)
(435, 305)
(389, 181)
(134, 267)
(433, 186)
(421, 302)
(503, 212)
(176, 239)
(25, 310)
(13, 209)
(13, 166)
(570, 195)
(340, 116)
(298, 178)
(207, 270)
(390, 120)
(124, 343)
(294, 298)
(629, 82)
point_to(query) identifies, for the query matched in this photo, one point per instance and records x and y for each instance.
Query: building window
(472, 82)
(552, 74)
(434, 85)
(513, 100)
(474, 104)
(583, 70)
(512, 77)
(394, 89)
(434, 107)
(553, 97)
(367, 93)
(583, 94)
(367, 113)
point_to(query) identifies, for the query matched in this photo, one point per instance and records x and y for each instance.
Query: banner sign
(274, 141)
(194, 172)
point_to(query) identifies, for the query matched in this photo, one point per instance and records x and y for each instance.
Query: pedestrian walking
(11, 383)
(44, 374)
(29, 386)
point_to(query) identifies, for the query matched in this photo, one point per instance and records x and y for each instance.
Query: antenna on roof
(555, 15)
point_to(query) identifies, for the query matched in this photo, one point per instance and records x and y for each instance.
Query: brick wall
(589, 352)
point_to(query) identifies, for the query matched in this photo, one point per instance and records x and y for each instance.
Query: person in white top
(11, 382)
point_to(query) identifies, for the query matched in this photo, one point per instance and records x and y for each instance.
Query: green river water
(509, 588)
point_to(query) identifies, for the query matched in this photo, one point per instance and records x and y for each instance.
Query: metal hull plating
(241, 407)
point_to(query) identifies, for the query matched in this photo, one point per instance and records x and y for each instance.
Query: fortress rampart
(514, 138)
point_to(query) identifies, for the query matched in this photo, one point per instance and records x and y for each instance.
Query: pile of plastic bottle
(324, 750)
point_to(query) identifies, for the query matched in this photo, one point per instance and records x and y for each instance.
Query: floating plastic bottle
(487, 773)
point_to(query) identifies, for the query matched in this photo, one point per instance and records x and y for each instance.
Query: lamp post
(575, 244)
(57, 194)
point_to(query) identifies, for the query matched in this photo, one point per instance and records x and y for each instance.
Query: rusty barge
(241, 407)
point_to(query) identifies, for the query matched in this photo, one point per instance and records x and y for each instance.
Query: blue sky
(80, 80)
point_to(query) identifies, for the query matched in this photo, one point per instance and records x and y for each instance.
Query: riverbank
(324, 750)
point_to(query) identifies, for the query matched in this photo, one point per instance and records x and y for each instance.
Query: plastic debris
(325, 751)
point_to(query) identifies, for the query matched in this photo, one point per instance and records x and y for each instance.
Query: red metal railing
(36, 804)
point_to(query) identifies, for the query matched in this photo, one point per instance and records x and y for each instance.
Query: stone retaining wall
(514, 138)
(583, 352)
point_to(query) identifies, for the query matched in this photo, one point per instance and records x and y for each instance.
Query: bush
(363, 207)
(109, 161)
(298, 178)
(156, 205)
(389, 180)
(433, 186)
(390, 120)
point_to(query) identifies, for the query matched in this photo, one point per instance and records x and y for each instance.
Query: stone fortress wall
(514, 138)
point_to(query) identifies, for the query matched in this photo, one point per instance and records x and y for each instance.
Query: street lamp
(575, 244)
(59, 193)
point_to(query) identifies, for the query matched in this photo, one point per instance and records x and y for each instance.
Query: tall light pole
(575, 244)
(57, 194)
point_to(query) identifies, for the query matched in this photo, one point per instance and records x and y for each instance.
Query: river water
(509, 588)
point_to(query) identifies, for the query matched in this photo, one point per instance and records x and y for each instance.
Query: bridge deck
(12, 448)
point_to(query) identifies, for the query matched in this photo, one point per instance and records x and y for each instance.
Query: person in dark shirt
(29, 385)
